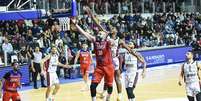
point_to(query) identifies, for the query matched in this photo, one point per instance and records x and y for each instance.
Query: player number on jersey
(100, 52)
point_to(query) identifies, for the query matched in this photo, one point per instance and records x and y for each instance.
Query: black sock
(93, 89)
(190, 98)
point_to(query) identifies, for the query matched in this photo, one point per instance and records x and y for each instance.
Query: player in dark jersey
(11, 81)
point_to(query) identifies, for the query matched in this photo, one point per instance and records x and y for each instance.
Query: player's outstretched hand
(73, 20)
(67, 66)
(87, 9)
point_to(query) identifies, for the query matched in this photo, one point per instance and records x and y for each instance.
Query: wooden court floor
(158, 84)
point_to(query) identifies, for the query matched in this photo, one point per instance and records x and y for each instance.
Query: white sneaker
(108, 98)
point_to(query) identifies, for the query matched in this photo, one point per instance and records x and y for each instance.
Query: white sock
(93, 98)
(120, 96)
(133, 99)
(87, 85)
(48, 99)
(53, 96)
(108, 97)
(104, 92)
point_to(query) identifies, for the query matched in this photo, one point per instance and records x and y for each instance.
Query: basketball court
(160, 84)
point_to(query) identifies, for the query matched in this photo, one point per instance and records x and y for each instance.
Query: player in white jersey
(131, 74)
(190, 73)
(115, 55)
(51, 62)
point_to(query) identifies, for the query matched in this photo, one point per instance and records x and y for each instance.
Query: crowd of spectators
(161, 29)
(113, 5)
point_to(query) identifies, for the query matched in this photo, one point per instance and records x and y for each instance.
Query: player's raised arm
(141, 59)
(122, 43)
(86, 34)
(89, 12)
(181, 75)
(199, 71)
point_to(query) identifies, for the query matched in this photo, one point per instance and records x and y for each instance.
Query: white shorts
(130, 79)
(52, 79)
(116, 63)
(192, 89)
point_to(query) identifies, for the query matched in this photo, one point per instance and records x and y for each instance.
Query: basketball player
(131, 74)
(117, 42)
(104, 66)
(115, 57)
(190, 73)
(52, 62)
(11, 81)
(85, 63)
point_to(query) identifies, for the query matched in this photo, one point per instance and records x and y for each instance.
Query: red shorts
(7, 95)
(84, 69)
(104, 71)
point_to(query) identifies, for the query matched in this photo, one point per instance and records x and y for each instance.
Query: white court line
(170, 99)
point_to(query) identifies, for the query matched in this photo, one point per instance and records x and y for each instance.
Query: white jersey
(53, 63)
(115, 48)
(130, 62)
(191, 72)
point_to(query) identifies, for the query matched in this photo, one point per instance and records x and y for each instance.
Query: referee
(36, 68)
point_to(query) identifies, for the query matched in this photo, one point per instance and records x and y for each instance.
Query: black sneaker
(35, 87)
(43, 86)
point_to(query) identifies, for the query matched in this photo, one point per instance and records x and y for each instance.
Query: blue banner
(24, 70)
(165, 56)
(23, 14)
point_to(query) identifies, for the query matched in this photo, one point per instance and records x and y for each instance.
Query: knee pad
(109, 90)
(93, 85)
(130, 93)
(93, 89)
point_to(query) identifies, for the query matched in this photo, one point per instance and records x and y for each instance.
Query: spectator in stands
(1, 39)
(58, 41)
(36, 30)
(23, 55)
(7, 49)
(63, 60)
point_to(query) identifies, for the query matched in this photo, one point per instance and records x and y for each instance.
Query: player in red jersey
(104, 66)
(11, 81)
(85, 62)
(117, 43)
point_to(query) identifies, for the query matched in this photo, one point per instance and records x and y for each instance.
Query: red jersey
(12, 81)
(85, 58)
(103, 53)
